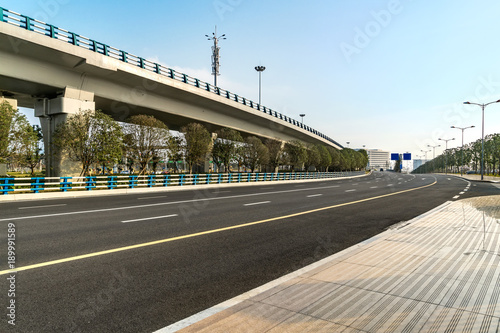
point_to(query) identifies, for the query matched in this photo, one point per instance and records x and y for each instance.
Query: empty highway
(139, 262)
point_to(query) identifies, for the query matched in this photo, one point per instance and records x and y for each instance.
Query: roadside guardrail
(90, 183)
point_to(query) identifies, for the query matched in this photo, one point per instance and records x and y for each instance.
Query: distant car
(381, 169)
(471, 172)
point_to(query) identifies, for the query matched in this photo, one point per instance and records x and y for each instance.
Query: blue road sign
(394, 156)
(407, 156)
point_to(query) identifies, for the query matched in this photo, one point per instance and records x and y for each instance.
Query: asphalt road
(139, 262)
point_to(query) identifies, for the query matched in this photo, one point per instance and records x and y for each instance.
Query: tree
(7, 119)
(197, 144)
(89, 137)
(325, 157)
(240, 155)
(363, 158)
(296, 154)
(344, 161)
(155, 161)
(217, 153)
(348, 162)
(28, 138)
(225, 148)
(496, 151)
(355, 160)
(492, 151)
(336, 158)
(397, 166)
(174, 147)
(145, 137)
(471, 157)
(275, 148)
(476, 154)
(452, 160)
(467, 155)
(255, 152)
(313, 157)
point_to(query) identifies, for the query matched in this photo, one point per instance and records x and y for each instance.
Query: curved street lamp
(425, 154)
(433, 150)
(446, 156)
(482, 136)
(462, 148)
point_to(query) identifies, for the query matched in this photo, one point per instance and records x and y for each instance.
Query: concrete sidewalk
(439, 272)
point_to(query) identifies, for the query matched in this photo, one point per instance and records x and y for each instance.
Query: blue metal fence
(25, 22)
(89, 183)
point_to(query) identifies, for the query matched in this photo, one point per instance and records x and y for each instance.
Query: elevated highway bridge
(57, 73)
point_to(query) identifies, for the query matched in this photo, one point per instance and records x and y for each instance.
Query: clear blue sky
(386, 74)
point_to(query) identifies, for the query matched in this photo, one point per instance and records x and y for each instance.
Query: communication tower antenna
(215, 53)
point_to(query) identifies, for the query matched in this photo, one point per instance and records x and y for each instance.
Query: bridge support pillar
(53, 112)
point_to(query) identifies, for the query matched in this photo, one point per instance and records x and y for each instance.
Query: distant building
(378, 159)
(417, 163)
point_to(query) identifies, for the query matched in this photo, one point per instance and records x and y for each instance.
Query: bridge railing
(89, 183)
(52, 31)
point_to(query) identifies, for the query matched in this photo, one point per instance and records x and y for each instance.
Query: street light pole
(462, 148)
(482, 136)
(215, 54)
(425, 152)
(433, 150)
(446, 156)
(302, 115)
(260, 69)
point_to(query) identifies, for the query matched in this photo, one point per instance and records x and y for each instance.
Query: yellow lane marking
(161, 241)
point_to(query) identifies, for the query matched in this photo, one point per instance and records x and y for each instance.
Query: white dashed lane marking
(256, 203)
(150, 218)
